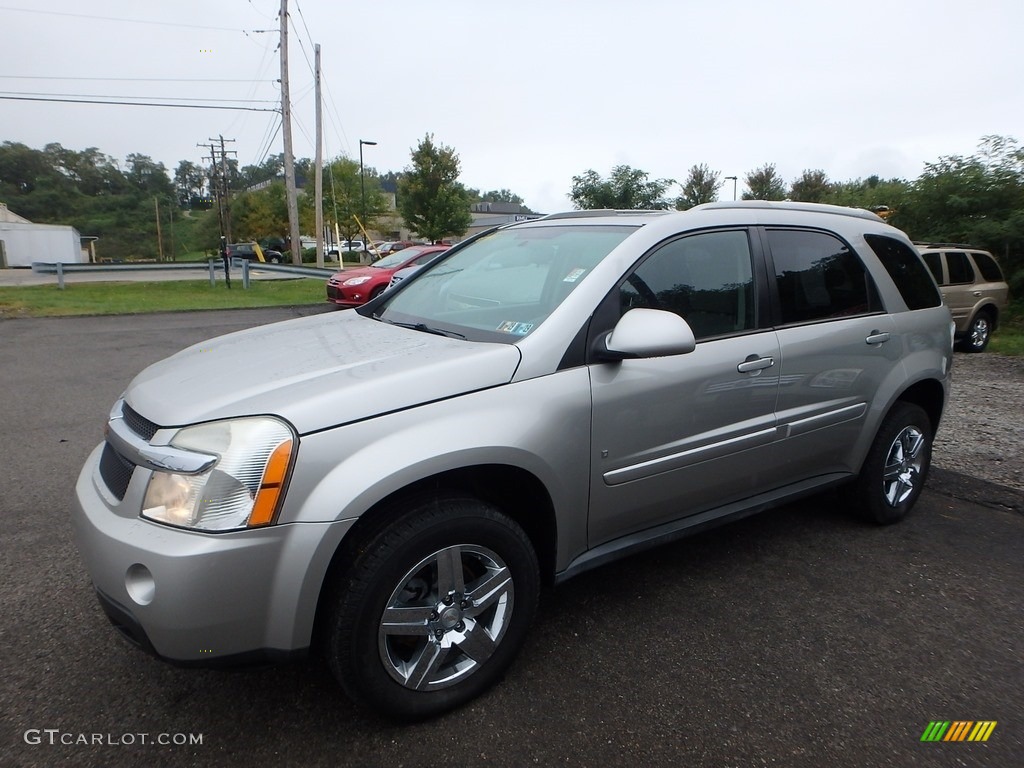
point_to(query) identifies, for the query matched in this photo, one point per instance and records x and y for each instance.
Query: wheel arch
(514, 491)
(929, 395)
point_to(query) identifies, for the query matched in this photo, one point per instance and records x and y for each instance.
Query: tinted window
(934, 262)
(988, 267)
(706, 279)
(819, 277)
(906, 270)
(959, 267)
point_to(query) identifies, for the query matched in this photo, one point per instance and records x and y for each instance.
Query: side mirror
(647, 333)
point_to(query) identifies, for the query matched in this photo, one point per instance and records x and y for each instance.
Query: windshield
(396, 258)
(504, 285)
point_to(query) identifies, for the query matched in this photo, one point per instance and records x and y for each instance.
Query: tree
(811, 187)
(430, 198)
(626, 189)
(701, 186)
(978, 199)
(764, 184)
(260, 214)
(495, 196)
(148, 176)
(189, 183)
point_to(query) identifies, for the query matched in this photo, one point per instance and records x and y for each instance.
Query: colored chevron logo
(958, 730)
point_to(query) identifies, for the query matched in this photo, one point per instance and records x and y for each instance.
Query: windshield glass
(504, 285)
(395, 258)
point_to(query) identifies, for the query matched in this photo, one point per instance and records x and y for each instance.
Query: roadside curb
(981, 492)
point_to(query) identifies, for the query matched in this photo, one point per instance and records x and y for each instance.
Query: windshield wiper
(421, 327)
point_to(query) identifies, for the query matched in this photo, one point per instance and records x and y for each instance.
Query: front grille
(332, 292)
(116, 471)
(138, 424)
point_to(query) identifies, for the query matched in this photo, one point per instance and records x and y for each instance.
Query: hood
(316, 372)
(345, 274)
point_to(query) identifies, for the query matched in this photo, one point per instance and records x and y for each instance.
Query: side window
(707, 279)
(934, 262)
(907, 271)
(819, 277)
(988, 267)
(959, 268)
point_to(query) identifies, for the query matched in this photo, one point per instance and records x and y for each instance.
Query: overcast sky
(532, 92)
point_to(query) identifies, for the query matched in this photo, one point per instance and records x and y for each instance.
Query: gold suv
(973, 288)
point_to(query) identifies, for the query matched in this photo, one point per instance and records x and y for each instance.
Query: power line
(135, 79)
(131, 21)
(136, 103)
(109, 96)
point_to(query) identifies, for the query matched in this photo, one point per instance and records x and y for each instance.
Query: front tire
(896, 467)
(434, 608)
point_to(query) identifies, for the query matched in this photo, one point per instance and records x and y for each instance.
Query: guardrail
(60, 269)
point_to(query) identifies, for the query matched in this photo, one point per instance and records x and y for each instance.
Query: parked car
(253, 252)
(357, 285)
(973, 286)
(416, 266)
(347, 246)
(550, 396)
(397, 245)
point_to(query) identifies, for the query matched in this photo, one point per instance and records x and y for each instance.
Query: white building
(22, 242)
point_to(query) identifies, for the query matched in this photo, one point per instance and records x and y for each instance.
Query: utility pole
(219, 184)
(289, 158)
(159, 237)
(319, 173)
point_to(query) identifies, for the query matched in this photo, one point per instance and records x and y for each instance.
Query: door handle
(755, 363)
(978, 294)
(877, 337)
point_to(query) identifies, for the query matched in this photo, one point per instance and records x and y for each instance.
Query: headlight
(242, 490)
(356, 280)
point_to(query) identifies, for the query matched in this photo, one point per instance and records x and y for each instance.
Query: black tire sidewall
(870, 500)
(353, 648)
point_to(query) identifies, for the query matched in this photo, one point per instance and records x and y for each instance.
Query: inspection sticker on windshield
(519, 329)
(573, 276)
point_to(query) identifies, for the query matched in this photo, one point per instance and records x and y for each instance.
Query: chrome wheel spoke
(489, 591)
(422, 669)
(477, 644)
(449, 572)
(406, 620)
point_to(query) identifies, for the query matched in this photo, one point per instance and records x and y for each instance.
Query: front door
(673, 436)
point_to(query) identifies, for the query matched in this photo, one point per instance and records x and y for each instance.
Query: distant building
(487, 215)
(22, 242)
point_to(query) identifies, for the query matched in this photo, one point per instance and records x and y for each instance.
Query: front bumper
(346, 296)
(194, 597)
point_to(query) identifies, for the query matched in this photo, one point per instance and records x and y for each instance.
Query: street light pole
(362, 180)
(733, 178)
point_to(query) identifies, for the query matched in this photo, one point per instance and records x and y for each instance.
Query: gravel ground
(982, 431)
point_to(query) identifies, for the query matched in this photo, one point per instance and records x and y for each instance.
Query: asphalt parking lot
(799, 637)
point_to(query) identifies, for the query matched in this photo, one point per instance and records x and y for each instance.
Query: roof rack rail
(947, 245)
(792, 205)
(591, 212)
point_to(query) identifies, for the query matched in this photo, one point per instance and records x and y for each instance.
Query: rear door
(837, 346)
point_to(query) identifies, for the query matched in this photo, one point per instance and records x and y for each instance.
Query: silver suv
(391, 485)
(973, 288)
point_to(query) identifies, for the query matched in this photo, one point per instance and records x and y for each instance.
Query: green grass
(1009, 339)
(132, 298)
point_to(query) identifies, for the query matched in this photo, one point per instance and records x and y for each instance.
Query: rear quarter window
(907, 271)
(988, 267)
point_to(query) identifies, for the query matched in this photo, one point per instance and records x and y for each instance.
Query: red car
(356, 286)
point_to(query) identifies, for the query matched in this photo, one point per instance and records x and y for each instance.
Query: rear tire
(434, 608)
(896, 467)
(979, 333)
